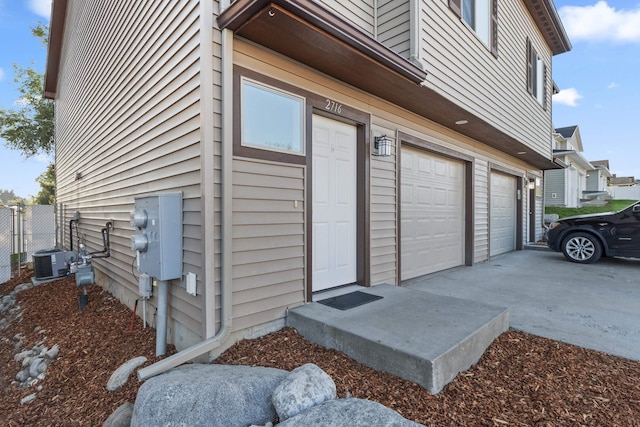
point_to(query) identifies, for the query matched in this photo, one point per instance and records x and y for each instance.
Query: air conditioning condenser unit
(49, 264)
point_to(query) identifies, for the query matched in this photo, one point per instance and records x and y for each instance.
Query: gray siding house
(567, 187)
(315, 143)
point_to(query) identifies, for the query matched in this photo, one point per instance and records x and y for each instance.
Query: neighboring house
(621, 181)
(598, 178)
(565, 187)
(268, 117)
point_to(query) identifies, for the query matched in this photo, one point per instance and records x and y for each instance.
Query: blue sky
(598, 79)
(600, 89)
(20, 47)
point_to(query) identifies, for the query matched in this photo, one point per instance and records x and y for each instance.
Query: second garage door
(432, 213)
(503, 213)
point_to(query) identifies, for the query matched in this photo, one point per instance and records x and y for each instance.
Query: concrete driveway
(595, 306)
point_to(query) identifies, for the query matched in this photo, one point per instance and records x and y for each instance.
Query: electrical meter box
(157, 219)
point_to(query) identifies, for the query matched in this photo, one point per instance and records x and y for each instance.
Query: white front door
(334, 203)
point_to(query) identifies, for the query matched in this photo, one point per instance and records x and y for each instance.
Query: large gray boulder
(305, 387)
(121, 417)
(348, 412)
(208, 395)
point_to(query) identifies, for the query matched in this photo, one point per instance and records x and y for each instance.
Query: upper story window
(536, 75)
(272, 119)
(482, 17)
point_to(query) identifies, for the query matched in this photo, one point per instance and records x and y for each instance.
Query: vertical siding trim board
(207, 168)
(469, 185)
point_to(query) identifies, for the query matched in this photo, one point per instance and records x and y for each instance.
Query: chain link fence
(24, 230)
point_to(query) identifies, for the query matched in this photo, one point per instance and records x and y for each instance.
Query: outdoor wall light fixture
(382, 146)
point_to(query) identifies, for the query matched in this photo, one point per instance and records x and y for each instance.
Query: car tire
(583, 248)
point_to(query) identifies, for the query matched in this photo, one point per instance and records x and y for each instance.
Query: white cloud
(601, 22)
(567, 97)
(613, 85)
(1, 73)
(41, 8)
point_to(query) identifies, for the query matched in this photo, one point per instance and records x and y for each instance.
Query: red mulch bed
(522, 380)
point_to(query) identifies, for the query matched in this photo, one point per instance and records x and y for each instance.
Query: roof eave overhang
(312, 35)
(546, 17)
(56, 32)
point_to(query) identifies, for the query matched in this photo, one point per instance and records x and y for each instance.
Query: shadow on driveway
(595, 306)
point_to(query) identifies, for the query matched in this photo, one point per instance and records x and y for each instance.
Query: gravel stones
(34, 364)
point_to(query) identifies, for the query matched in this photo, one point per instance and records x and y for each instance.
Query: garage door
(432, 213)
(503, 213)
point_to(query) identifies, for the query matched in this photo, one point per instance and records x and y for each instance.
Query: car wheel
(582, 247)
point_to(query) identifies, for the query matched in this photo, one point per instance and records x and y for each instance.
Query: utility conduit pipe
(206, 55)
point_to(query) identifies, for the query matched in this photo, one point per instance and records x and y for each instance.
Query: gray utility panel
(158, 238)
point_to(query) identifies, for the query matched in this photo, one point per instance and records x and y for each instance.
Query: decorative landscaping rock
(305, 387)
(349, 412)
(34, 363)
(28, 398)
(121, 375)
(53, 352)
(208, 395)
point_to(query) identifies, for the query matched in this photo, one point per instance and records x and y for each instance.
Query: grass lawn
(614, 205)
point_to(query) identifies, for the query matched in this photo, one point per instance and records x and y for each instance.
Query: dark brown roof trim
(242, 12)
(56, 31)
(546, 16)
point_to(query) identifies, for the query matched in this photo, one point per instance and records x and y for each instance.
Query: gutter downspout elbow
(226, 317)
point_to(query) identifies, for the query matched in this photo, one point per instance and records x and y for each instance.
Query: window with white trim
(482, 17)
(272, 119)
(536, 75)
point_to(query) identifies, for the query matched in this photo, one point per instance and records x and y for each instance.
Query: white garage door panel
(432, 213)
(503, 213)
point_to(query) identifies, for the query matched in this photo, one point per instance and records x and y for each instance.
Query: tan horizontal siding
(394, 25)
(383, 227)
(359, 12)
(268, 240)
(128, 124)
(463, 69)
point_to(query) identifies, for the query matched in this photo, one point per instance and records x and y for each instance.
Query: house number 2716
(333, 106)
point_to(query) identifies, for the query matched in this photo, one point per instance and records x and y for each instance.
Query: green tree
(28, 126)
(8, 197)
(47, 181)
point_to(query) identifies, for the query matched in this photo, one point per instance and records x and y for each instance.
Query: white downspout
(206, 61)
(414, 33)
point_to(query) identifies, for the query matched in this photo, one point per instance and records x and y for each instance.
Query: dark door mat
(350, 300)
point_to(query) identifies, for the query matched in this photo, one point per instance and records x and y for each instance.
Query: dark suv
(585, 238)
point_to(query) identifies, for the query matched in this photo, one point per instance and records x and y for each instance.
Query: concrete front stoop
(416, 335)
